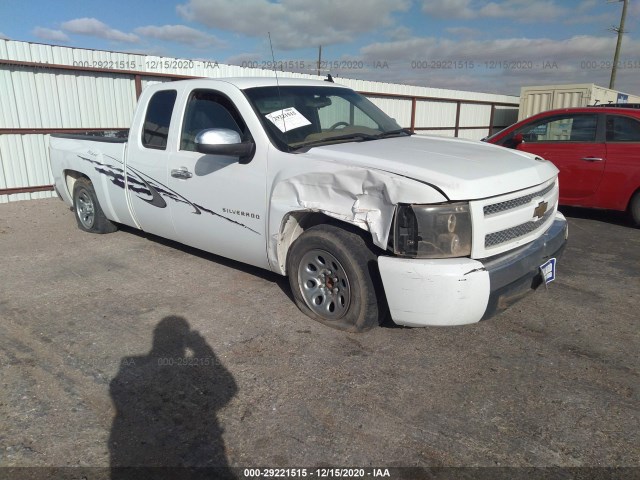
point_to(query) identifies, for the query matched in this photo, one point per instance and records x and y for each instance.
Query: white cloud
(522, 11)
(294, 23)
(464, 32)
(448, 9)
(610, 14)
(604, 20)
(501, 65)
(539, 49)
(400, 33)
(180, 34)
(95, 28)
(400, 49)
(49, 34)
(244, 59)
(587, 5)
(525, 11)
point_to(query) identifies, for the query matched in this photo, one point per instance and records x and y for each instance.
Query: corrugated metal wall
(25, 163)
(41, 97)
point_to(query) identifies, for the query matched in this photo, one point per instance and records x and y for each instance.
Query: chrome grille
(516, 202)
(496, 238)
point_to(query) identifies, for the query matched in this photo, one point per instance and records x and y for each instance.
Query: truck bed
(107, 136)
(99, 156)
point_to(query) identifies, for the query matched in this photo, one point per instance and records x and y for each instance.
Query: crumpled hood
(461, 169)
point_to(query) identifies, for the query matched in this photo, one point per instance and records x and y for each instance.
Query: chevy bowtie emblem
(540, 210)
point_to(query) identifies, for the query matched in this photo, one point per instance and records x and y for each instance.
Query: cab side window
(155, 129)
(622, 129)
(571, 128)
(206, 110)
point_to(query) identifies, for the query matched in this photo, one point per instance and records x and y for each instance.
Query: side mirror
(222, 141)
(517, 139)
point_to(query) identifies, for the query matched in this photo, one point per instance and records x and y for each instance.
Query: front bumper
(458, 291)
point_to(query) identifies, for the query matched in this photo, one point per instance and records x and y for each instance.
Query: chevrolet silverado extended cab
(311, 180)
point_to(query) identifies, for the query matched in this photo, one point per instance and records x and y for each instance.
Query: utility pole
(616, 56)
(319, 58)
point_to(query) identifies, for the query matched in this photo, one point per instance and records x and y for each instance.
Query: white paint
(250, 212)
(462, 169)
(452, 291)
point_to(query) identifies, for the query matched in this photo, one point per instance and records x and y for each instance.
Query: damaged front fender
(360, 197)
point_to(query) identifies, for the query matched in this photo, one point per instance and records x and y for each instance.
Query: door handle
(181, 172)
(592, 159)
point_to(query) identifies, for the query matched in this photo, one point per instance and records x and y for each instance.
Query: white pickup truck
(311, 180)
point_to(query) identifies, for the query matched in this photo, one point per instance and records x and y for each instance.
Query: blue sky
(492, 46)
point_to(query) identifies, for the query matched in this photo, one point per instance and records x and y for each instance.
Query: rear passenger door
(147, 175)
(575, 144)
(622, 174)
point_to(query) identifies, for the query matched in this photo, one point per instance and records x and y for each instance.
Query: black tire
(351, 261)
(87, 210)
(634, 209)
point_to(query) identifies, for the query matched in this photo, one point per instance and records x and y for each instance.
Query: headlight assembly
(432, 231)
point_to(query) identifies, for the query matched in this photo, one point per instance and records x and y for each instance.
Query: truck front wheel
(334, 280)
(88, 212)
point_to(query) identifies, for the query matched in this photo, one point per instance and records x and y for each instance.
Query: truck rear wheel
(334, 280)
(88, 212)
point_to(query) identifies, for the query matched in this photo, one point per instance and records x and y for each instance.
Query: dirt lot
(90, 322)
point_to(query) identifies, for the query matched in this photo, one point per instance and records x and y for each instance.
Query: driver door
(220, 204)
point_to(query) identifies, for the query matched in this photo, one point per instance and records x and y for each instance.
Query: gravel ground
(208, 362)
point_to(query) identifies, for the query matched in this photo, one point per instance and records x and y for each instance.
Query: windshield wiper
(392, 133)
(359, 137)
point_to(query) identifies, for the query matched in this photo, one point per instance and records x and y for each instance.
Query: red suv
(596, 149)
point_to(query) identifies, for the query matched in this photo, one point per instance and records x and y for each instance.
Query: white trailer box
(547, 97)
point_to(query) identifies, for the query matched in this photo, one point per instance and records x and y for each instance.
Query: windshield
(303, 116)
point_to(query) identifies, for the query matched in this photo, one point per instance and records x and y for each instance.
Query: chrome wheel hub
(324, 284)
(85, 209)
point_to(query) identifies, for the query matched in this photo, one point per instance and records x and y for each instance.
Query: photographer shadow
(166, 402)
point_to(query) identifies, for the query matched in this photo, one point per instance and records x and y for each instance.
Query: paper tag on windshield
(287, 119)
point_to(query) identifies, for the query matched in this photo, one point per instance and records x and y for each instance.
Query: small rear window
(155, 130)
(622, 129)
